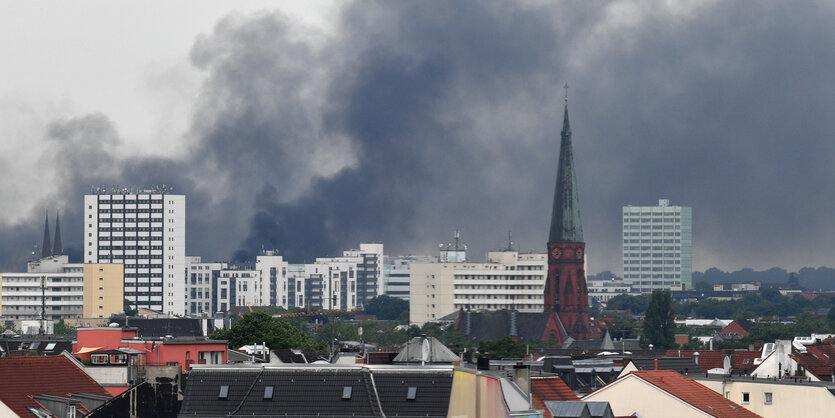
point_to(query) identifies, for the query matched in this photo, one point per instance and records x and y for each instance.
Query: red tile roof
(819, 359)
(550, 389)
(693, 393)
(707, 359)
(738, 360)
(734, 329)
(20, 378)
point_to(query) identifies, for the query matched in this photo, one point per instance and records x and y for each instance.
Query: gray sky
(315, 126)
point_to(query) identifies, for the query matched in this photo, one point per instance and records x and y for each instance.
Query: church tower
(566, 293)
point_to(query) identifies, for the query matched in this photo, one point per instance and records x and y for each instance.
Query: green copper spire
(565, 219)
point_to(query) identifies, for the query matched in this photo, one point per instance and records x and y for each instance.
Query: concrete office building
(657, 246)
(201, 281)
(396, 273)
(507, 280)
(58, 289)
(145, 231)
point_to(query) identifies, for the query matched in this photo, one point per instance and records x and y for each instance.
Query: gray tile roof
(317, 391)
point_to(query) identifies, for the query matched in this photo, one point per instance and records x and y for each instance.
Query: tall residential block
(145, 231)
(657, 246)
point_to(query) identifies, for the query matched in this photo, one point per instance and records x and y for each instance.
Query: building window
(768, 398)
(745, 398)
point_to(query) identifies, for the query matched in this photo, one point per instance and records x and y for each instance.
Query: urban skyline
(305, 158)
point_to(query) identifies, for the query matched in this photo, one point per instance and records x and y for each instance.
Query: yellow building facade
(103, 290)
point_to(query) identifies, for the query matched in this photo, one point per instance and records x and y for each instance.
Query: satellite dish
(426, 350)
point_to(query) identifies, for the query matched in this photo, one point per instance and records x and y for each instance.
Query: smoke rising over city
(409, 120)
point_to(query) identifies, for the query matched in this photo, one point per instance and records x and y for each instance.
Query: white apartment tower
(145, 231)
(657, 246)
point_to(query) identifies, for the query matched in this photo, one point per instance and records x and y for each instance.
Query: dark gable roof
(160, 327)
(43, 345)
(317, 391)
(432, 396)
(682, 365)
(494, 325)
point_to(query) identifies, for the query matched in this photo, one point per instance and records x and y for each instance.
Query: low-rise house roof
(322, 390)
(428, 350)
(819, 360)
(706, 359)
(665, 393)
(550, 388)
(21, 379)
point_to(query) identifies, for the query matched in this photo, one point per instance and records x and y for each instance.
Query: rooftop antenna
(510, 240)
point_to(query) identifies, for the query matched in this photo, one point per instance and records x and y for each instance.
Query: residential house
(665, 393)
(46, 387)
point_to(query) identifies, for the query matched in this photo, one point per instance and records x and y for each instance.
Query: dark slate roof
(682, 365)
(160, 327)
(565, 217)
(432, 394)
(493, 325)
(568, 409)
(26, 344)
(317, 391)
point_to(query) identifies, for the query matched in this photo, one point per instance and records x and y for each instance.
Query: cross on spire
(566, 92)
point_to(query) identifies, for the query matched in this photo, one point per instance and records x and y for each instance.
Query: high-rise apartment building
(145, 231)
(657, 246)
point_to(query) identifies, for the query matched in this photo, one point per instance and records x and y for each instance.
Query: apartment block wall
(103, 290)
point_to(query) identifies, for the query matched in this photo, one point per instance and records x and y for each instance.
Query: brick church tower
(566, 293)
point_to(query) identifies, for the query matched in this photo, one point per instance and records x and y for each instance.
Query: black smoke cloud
(414, 119)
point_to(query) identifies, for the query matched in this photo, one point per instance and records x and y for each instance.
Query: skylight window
(346, 392)
(268, 392)
(412, 393)
(50, 346)
(224, 392)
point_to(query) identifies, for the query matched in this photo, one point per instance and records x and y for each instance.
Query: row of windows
(646, 255)
(652, 241)
(131, 201)
(131, 229)
(130, 210)
(645, 261)
(668, 218)
(497, 287)
(652, 248)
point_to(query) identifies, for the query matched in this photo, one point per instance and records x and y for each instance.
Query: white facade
(146, 232)
(657, 246)
(604, 290)
(50, 281)
(396, 274)
(273, 270)
(507, 280)
(201, 280)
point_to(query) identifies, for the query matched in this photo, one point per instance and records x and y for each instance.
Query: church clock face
(556, 253)
(578, 252)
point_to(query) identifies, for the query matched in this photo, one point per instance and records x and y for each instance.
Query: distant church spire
(565, 218)
(57, 248)
(46, 249)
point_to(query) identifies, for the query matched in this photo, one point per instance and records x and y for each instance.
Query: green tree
(62, 328)
(259, 326)
(659, 321)
(636, 304)
(387, 307)
(704, 286)
(128, 310)
(505, 347)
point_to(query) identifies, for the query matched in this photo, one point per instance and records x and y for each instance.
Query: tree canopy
(259, 326)
(659, 321)
(387, 307)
